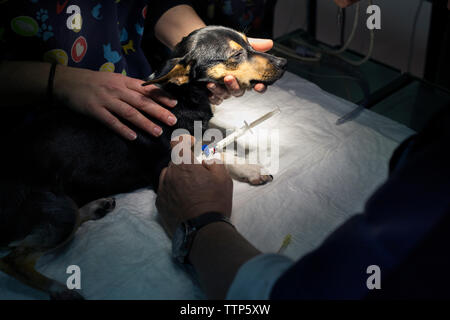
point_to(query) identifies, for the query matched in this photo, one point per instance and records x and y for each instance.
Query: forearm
(217, 254)
(177, 23)
(23, 82)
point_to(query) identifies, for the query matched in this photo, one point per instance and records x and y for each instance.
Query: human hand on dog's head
(231, 87)
(189, 190)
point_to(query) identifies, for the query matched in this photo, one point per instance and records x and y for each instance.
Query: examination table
(326, 173)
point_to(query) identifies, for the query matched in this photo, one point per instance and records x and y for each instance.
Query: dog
(62, 165)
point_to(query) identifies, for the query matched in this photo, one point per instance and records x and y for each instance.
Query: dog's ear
(174, 71)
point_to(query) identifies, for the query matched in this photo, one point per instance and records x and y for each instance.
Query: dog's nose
(281, 63)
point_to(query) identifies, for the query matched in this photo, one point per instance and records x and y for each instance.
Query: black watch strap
(191, 226)
(202, 220)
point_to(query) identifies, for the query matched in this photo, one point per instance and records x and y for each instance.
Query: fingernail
(171, 120)
(258, 40)
(157, 131)
(173, 103)
(211, 86)
(132, 135)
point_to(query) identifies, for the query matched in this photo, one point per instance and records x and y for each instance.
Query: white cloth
(326, 173)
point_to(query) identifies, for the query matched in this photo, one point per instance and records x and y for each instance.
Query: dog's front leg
(254, 174)
(238, 168)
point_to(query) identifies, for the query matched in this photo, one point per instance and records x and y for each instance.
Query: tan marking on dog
(178, 75)
(243, 36)
(234, 45)
(258, 69)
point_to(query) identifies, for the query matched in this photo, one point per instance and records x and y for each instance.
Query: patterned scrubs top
(98, 35)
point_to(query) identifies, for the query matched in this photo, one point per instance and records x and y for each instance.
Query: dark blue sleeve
(406, 221)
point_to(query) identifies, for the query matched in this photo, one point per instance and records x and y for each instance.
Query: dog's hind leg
(59, 220)
(20, 264)
(93, 210)
(96, 209)
(56, 218)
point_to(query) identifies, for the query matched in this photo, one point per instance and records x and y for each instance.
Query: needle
(207, 149)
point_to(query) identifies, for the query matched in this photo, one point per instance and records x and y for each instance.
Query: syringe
(212, 147)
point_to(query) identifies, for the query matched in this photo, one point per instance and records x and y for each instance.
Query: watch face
(179, 249)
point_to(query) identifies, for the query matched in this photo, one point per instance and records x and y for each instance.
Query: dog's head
(211, 53)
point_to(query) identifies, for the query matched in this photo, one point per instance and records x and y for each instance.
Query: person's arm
(104, 96)
(23, 82)
(110, 98)
(187, 191)
(218, 252)
(177, 23)
(228, 266)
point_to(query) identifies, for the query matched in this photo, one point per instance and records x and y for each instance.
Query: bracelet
(50, 84)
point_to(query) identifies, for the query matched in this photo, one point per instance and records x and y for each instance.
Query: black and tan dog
(63, 161)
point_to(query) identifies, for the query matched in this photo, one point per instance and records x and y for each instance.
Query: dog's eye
(238, 54)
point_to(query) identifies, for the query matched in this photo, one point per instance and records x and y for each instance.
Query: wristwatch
(185, 233)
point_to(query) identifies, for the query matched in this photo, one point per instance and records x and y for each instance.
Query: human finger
(261, 45)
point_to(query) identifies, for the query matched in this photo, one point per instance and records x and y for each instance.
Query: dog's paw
(104, 206)
(97, 209)
(252, 173)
